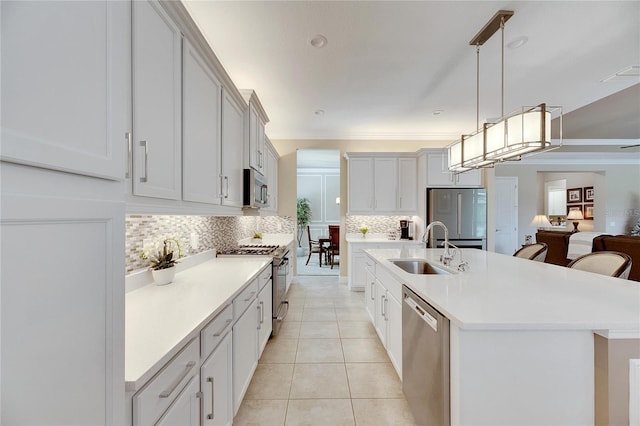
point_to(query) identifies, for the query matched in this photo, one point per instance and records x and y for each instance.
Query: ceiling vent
(632, 71)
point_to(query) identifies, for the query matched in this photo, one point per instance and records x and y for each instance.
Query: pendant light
(525, 131)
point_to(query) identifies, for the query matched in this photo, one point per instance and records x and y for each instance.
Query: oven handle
(284, 262)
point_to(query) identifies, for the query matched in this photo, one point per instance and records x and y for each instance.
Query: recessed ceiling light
(319, 41)
(319, 112)
(437, 112)
(518, 42)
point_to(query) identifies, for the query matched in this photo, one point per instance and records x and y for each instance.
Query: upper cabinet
(382, 183)
(438, 173)
(271, 172)
(232, 148)
(202, 92)
(157, 105)
(255, 120)
(50, 75)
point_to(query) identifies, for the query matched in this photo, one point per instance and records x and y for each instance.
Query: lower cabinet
(216, 383)
(385, 308)
(265, 325)
(245, 352)
(185, 410)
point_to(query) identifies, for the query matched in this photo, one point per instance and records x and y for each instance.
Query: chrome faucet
(446, 258)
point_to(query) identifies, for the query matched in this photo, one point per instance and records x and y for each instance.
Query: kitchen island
(521, 333)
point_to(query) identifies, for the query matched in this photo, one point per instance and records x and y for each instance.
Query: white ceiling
(389, 64)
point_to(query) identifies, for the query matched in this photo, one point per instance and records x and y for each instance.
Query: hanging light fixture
(521, 132)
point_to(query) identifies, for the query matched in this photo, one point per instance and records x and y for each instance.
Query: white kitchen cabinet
(360, 177)
(385, 184)
(245, 351)
(66, 93)
(357, 262)
(255, 120)
(201, 114)
(438, 173)
(393, 317)
(380, 319)
(265, 325)
(407, 185)
(216, 385)
(271, 172)
(232, 149)
(157, 103)
(382, 183)
(370, 290)
(185, 410)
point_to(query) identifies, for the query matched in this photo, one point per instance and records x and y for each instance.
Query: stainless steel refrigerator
(464, 213)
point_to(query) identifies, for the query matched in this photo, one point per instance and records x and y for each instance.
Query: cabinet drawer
(156, 396)
(391, 283)
(215, 331)
(244, 299)
(264, 277)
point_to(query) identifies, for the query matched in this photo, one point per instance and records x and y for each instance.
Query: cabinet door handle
(187, 369)
(226, 193)
(400, 202)
(213, 398)
(253, 293)
(382, 306)
(386, 300)
(127, 137)
(145, 145)
(261, 312)
(259, 307)
(221, 193)
(372, 289)
(224, 327)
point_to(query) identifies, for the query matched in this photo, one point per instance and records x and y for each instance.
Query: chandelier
(525, 131)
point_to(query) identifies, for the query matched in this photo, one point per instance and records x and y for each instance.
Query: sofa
(557, 245)
(624, 244)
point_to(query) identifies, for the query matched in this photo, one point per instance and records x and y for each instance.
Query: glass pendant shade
(455, 157)
(473, 150)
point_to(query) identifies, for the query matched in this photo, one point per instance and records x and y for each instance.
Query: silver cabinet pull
(213, 398)
(226, 193)
(127, 137)
(187, 369)
(373, 297)
(259, 307)
(146, 161)
(261, 312)
(253, 293)
(221, 193)
(386, 300)
(382, 306)
(224, 327)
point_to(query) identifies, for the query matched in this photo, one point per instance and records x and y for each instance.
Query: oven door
(280, 305)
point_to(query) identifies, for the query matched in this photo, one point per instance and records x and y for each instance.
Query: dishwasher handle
(426, 317)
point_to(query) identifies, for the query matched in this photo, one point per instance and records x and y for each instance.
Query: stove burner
(255, 250)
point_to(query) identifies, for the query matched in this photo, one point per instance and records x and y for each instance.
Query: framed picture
(576, 207)
(574, 195)
(588, 194)
(588, 211)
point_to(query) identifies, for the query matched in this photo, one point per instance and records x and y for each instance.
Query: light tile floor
(326, 366)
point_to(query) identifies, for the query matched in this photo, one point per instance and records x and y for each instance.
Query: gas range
(274, 251)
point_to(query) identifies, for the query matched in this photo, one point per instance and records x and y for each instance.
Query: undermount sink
(418, 266)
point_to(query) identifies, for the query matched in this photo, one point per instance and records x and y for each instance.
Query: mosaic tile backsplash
(219, 232)
(376, 224)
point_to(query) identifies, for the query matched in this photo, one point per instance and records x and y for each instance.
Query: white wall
(321, 187)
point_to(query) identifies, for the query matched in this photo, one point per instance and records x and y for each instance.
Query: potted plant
(304, 217)
(163, 254)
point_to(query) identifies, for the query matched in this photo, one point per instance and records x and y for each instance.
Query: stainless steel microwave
(255, 189)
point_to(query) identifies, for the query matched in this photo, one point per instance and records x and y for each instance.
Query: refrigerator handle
(459, 213)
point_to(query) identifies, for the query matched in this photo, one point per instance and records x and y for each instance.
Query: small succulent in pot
(364, 229)
(162, 253)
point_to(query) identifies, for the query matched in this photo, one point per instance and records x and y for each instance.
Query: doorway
(318, 182)
(506, 236)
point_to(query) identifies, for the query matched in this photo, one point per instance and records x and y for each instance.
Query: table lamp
(575, 215)
(540, 221)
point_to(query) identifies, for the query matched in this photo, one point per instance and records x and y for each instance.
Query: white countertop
(376, 238)
(507, 293)
(161, 319)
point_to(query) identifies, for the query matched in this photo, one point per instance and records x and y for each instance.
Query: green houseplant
(304, 217)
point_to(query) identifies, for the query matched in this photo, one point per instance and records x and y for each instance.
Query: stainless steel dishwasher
(425, 360)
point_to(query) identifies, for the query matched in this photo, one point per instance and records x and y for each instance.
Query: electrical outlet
(194, 241)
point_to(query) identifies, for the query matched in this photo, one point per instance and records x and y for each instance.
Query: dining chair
(610, 263)
(537, 252)
(314, 247)
(334, 246)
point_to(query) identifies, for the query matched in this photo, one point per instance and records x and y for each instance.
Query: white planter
(164, 276)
